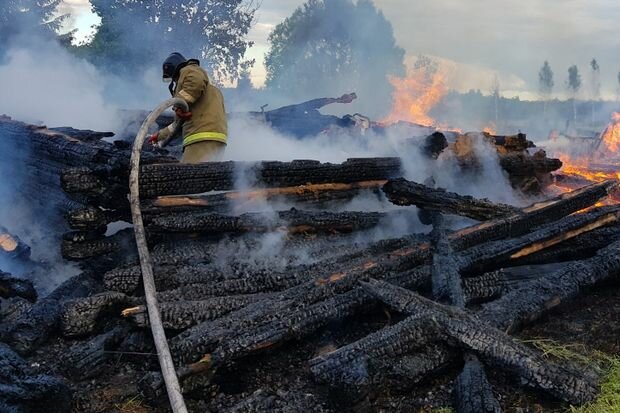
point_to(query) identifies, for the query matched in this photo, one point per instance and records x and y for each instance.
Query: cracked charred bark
(292, 221)
(458, 327)
(184, 179)
(34, 327)
(200, 339)
(403, 192)
(16, 287)
(522, 305)
(472, 390)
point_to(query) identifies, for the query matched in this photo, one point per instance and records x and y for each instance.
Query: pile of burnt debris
(324, 318)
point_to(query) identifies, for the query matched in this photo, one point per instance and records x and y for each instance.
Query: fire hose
(159, 336)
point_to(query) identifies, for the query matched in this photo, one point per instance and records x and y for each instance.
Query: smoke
(46, 84)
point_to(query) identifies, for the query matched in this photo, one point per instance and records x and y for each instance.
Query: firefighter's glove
(153, 139)
(182, 115)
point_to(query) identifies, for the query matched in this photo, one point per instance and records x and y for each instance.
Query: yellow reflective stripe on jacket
(204, 136)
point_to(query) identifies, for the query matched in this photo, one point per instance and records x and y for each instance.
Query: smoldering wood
(24, 390)
(83, 245)
(183, 179)
(494, 284)
(16, 287)
(292, 222)
(533, 299)
(202, 338)
(563, 380)
(12, 247)
(181, 315)
(12, 308)
(245, 278)
(518, 307)
(34, 327)
(403, 192)
(581, 247)
(85, 360)
(472, 391)
(91, 218)
(513, 143)
(79, 317)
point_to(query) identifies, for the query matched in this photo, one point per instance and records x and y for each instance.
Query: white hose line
(159, 336)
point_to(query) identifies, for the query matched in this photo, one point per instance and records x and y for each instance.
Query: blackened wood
(292, 221)
(472, 392)
(16, 287)
(403, 192)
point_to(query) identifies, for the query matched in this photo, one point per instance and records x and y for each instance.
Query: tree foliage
(574, 80)
(329, 47)
(140, 33)
(545, 80)
(28, 17)
(595, 79)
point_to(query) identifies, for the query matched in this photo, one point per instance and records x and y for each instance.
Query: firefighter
(204, 127)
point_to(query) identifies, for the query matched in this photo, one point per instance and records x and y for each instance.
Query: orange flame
(602, 164)
(415, 95)
(610, 139)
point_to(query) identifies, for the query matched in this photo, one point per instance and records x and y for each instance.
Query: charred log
(24, 391)
(82, 245)
(90, 218)
(292, 221)
(581, 247)
(207, 336)
(178, 179)
(184, 314)
(403, 192)
(33, 327)
(16, 287)
(472, 391)
(12, 247)
(522, 165)
(527, 303)
(496, 283)
(512, 143)
(79, 317)
(463, 329)
(87, 360)
(12, 309)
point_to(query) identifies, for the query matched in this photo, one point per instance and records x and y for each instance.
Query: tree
(574, 84)
(595, 84)
(545, 84)
(329, 47)
(618, 90)
(28, 17)
(495, 92)
(139, 33)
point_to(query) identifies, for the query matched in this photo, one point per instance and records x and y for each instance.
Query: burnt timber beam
(403, 192)
(206, 335)
(292, 222)
(459, 327)
(184, 179)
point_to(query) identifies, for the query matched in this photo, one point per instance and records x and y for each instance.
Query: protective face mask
(167, 80)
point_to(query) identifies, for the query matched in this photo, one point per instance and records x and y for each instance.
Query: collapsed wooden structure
(455, 294)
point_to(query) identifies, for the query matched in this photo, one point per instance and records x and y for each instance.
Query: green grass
(608, 400)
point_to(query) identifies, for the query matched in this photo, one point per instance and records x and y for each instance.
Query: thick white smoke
(43, 83)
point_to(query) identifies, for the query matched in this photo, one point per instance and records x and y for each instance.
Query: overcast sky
(480, 37)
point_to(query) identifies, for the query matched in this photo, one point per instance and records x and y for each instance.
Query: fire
(602, 164)
(491, 129)
(416, 94)
(610, 139)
